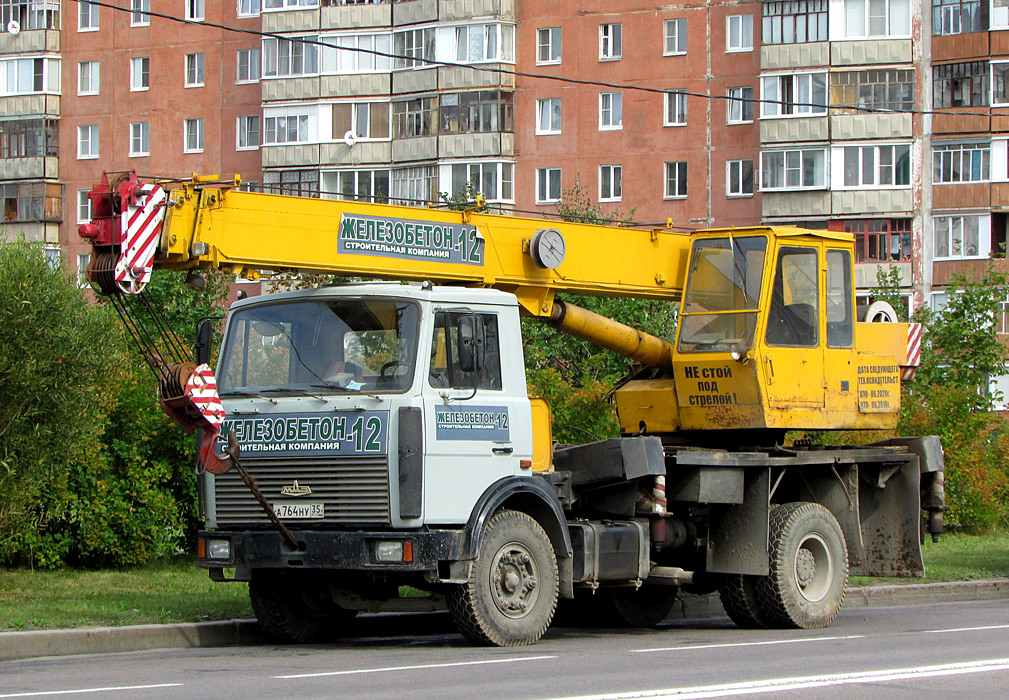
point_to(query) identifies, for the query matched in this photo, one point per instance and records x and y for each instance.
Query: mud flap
(890, 511)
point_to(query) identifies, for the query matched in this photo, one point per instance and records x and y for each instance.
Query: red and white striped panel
(201, 388)
(914, 332)
(141, 229)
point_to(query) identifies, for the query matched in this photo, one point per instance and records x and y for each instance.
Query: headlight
(389, 551)
(219, 549)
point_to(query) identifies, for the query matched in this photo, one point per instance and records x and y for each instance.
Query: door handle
(502, 450)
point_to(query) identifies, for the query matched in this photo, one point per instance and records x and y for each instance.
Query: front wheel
(511, 594)
(808, 567)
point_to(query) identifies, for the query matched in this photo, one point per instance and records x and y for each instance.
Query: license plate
(300, 511)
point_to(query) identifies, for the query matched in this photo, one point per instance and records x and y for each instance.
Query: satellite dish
(350, 138)
(13, 27)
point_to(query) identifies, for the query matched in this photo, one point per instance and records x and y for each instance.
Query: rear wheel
(808, 567)
(289, 610)
(511, 594)
(738, 594)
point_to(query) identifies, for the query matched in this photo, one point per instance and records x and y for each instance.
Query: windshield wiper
(250, 394)
(299, 392)
(348, 389)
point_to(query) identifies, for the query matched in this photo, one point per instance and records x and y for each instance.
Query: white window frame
(799, 168)
(350, 54)
(93, 70)
(137, 62)
(302, 128)
(611, 43)
(953, 243)
(503, 173)
(960, 151)
(611, 111)
(770, 107)
(83, 260)
(998, 16)
(88, 19)
(251, 68)
(10, 68)
(549, 43)
(138, 13)
(284, 5)
(734, 180)
(196, 122)
(242, 128)
(249, 8)
(1005, 84)
(548, 181)
(847, 30)
(554, 104)
(83, 207)
(869, 156)
(195, 74)
(496, 41)
(611, 177)
(271, 57)
(738, 102)
(88, 134)
(674, 108)
(674, 37)
(742, 26)
(363, 179)
(677, 168)
(141, 131)
(196, 10)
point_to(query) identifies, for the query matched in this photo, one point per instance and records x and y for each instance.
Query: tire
(738, 594)
(288, 611)
(643, 607)
(511, 594)
(808, 567)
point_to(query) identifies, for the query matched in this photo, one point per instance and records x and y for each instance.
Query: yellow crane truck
(361, 438)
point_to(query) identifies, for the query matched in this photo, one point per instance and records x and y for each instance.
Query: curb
(106, 640)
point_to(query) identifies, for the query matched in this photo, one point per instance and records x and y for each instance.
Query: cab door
(839, 359)
(793, 357)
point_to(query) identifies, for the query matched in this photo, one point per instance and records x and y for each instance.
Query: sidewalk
(103, 640)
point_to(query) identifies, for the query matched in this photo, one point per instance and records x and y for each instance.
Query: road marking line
(40, 693)
(411, 668)
(777, 685)
(967, 629)
(747, 644)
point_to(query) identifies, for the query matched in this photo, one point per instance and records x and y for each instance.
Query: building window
(413, 185)
(140, 73)
(32, 201)
(27, 76)
(794, 21)
(365, 120)
(739, 33)
(283, 129)
(871, 89)
(291, 4)
(611, 110)
(195, 10)
(297, 183)
(193, 136)
(999, 83)
(548, 116)
(794, 95)
(357, 185)
(874, 166)
(740, 105)
(495, 181)
(194, 70)
(676, 37)
(485, 42)
(290, 57)
(548, 45)
(795, 169)
(881, 240)
(248, 65)
(248, 8)
(961, 236)
(739, 178)
(29, 138)
(247, 133)
(356, 53)
(960, 162)
(87, 141)
(999, 14)
(30, 14)
(956, 17)
(87, 17)
(138, 13)
(140, 139)
(83, 260)
(676, 180)
(87, 78)
(960, 84)
(412, 118)
(83, 207)
(610, 42)
(548, 185)
(675, 108)
(482, 111)
(876, 18)
(610, 187)
(415, 46)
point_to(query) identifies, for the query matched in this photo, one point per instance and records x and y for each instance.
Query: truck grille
(355, 490)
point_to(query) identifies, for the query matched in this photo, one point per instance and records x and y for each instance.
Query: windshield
(321, 346)
(723, 290)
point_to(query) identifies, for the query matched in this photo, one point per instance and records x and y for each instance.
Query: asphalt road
(945, 650)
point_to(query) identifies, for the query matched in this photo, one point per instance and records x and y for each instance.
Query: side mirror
(472, 345)
(204, 335)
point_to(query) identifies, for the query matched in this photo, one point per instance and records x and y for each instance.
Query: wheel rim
(514, 576)
(814, 568)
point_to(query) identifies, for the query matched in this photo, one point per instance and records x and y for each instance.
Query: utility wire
(538, 76)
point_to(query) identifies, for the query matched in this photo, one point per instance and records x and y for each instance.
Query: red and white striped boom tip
(141, 226)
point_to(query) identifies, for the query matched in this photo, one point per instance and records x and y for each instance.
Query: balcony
(793, 129)
(870, 126)
(357, 16)
(961, 47)
(964, 195)
(870, 52)
(943, 270)
(894, 202)
(962, 120)
(799, 204)
(784, 56)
